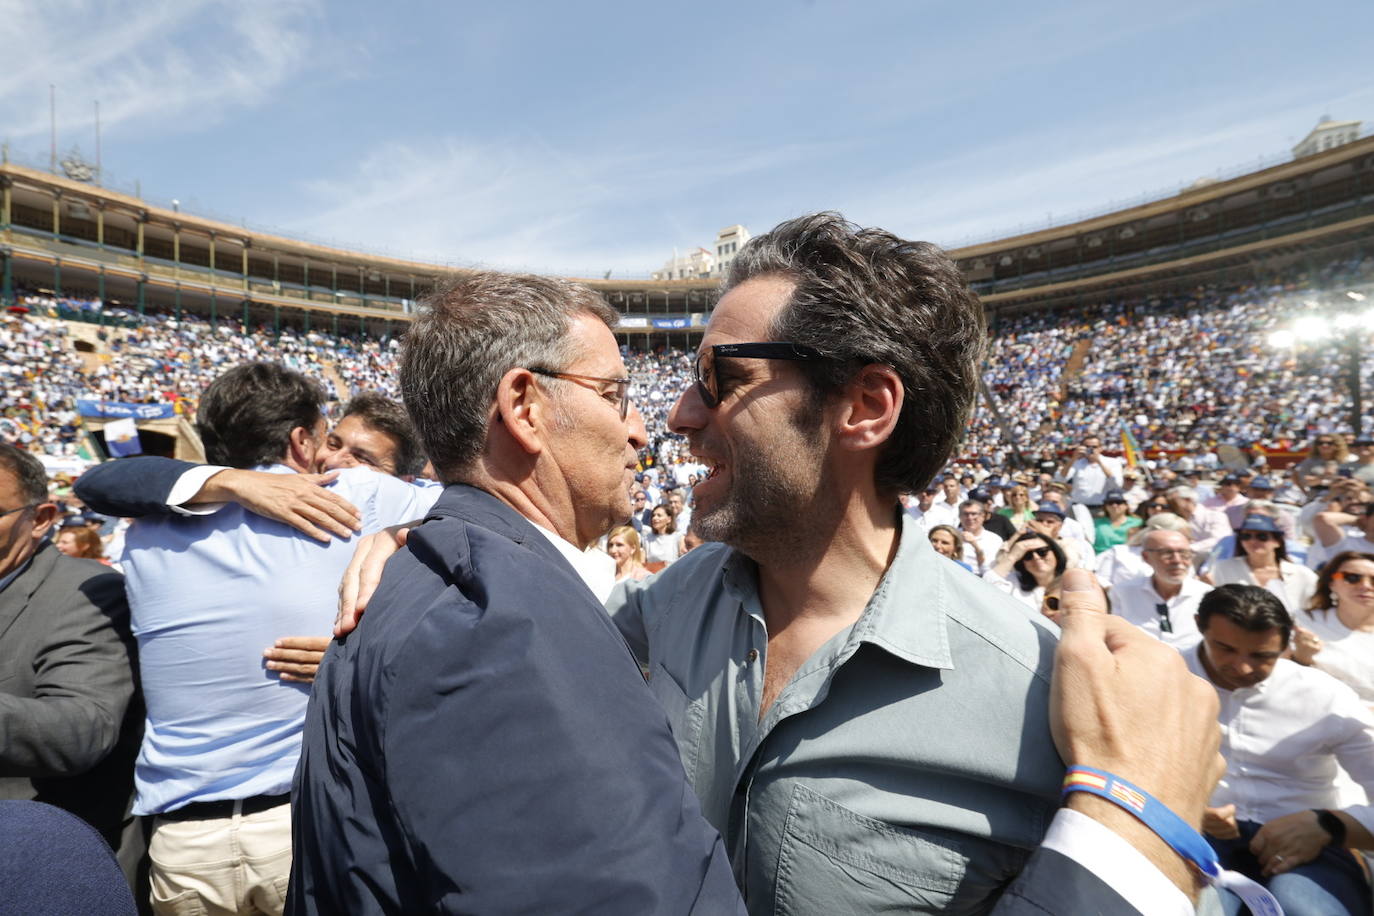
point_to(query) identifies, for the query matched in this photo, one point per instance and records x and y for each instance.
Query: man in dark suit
(485, 743)
(70, 719)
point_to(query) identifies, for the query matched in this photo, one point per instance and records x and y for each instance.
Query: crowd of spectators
(1204, 554)
(1184, 372)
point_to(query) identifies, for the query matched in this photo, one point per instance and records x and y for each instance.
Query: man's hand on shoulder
(1126, 703)
(364, 573)
(298, 500)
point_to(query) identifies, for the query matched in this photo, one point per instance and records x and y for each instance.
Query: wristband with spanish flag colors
(1173, 830)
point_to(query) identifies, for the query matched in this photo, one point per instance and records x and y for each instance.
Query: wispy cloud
(520, 202)
(162, 65)
(1033, 180)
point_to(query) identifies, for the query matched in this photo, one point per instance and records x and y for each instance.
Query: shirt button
(752, 657)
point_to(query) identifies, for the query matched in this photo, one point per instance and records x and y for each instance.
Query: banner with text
(116, 410)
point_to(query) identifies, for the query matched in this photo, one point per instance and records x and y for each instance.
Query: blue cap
(1262, 483)
(1049, 508)
(1259, 523)
(978, 494)
(1113, 496)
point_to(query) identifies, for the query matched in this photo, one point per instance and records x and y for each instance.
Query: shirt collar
(588, 568)
(907, 613)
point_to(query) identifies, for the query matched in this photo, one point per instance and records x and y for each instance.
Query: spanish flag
(1080, 778)
(1129, 447)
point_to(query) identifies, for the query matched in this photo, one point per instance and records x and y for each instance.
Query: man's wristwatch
(1332, 825)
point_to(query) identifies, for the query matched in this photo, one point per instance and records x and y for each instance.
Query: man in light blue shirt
(207, 593)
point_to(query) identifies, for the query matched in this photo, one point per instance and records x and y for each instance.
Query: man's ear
(303, 446)
(44, 518)
(522, 409)
(869, 409)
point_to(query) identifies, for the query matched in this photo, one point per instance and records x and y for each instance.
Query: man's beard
(778, 505)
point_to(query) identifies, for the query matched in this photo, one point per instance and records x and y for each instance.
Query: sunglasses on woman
(1254, 535)
(1353, 578)
(1040, 552)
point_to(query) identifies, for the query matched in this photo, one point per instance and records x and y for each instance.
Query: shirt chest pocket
(833, 860)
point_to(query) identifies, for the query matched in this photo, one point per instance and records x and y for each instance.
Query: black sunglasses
(1352, 578)
(704, 369)
(1254, 535)
(1040, 552)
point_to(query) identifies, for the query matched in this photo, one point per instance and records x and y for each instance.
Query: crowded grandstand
(1169, 404)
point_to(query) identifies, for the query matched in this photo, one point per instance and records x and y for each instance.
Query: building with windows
(1328, 134)
(728, 243)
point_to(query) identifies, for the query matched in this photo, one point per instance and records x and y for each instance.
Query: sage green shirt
(906, 767)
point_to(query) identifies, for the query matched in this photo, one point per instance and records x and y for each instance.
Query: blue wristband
(1172, 829)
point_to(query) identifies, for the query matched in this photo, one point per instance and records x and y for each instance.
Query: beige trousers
(233, 865)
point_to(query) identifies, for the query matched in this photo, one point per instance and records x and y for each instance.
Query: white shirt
(940, 513)
(1206, 528)
(662, 548)
(1106, 854)
(1346, 654)
(594, 567)
(1034, 598)
(1117, 564)
(1296, 587)
(1078, 552)
(1136, 600)
(1091, 482)
(1284, 740)
(988, 542)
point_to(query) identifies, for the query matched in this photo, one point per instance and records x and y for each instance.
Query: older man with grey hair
(484, 742)
(1163, 602)
(1205, 526)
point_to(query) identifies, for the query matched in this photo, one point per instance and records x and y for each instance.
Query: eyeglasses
(1170, 554)
(704, 369)
(1325, 442)
(1156, 506)
(1353, 578)
(1039, 552)
(1254, 535)
(622, 389)
(19, 509)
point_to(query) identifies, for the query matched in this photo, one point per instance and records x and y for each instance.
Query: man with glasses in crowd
(980, 545)
(70, 716)
(484, 743)
(1163, 602)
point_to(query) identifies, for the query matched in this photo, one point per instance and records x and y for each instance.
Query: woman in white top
(1336, 633)
(1029, 568)
(1261, 559)
(663, 542)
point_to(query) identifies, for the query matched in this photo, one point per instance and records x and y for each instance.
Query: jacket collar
(26, 581)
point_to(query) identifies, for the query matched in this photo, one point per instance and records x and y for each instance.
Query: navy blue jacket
(485, 743)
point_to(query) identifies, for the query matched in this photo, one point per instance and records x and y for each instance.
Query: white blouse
(1346, 654)
(1294, 586)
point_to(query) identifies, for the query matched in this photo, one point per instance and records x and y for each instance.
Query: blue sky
(580, 138)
